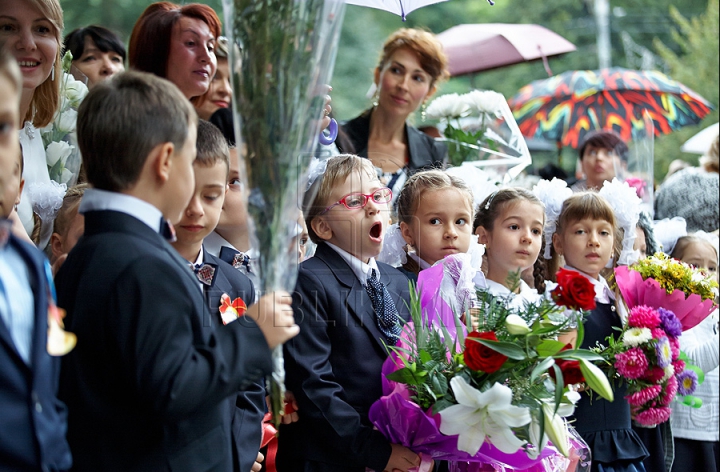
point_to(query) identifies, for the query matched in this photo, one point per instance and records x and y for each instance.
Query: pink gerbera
(653, 416)
(644, 395)
(632, 363)
(644, 317)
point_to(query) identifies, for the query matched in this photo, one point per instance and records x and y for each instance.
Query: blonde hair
(684, 243)
(426, 47)
(580, 206)
(46, 98)
(338, 169)
(428, 181)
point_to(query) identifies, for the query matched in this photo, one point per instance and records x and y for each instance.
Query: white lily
(556, 428)
(565, 409)
(480, 415)
(516, 325)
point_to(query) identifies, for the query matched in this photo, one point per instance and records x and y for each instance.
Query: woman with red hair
(177, 42)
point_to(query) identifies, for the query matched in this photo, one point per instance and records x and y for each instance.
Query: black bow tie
(205, 273)
(167, 230)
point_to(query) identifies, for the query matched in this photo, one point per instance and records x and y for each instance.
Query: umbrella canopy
(566, 106)
(700, 143)
(474, 48)
(399, 7)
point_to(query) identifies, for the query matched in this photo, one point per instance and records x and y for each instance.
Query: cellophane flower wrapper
(403, 422)
(480, 129)
(282, 58)
(690, 310)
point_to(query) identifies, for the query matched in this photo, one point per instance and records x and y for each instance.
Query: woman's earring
(375, 98)
(423, 115)
(52, 74)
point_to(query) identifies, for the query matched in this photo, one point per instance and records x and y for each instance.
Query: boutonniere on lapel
(230, 310)
(59, 341)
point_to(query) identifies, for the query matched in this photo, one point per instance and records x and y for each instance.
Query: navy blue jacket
(33, 422)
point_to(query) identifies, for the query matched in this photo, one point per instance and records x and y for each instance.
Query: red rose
(480, 357)
(569, 368)
(574, 291)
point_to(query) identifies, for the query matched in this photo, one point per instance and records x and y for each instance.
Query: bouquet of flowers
(479, 128)
(497, 395)
(662, 282)
(283, 57)
(59, 137)
(646, 356)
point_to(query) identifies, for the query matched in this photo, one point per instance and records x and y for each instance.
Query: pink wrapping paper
(636, 291)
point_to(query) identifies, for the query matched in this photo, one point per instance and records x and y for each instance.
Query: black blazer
(146, 386)
(425, 151)
(33, 421)
(247, 409)
(333, 368)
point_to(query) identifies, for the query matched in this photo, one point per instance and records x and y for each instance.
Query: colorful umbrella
(566, 106)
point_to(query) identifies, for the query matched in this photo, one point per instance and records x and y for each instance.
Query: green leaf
(425, 356)
(513, 351)
(549, 347)
(407, 376)
(580, 334)
(541, 368)
(559, 385)
(579, 354)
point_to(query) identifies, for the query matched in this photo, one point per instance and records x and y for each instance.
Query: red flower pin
(230, 310)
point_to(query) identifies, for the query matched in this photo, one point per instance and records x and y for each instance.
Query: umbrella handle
(328, 139)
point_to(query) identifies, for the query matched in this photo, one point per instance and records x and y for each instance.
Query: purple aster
(670, 323)
(687, 382)
(663, 352)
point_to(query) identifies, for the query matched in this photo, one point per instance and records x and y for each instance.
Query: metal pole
(602, 21)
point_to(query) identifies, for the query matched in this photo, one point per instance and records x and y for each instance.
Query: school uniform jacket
(333, 367)
(33, 421)
(247, 408)
(146, 387)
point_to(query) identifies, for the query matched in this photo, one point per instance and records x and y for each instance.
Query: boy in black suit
(147, 384)
(348, 306)
(219, 280)
(32, 420)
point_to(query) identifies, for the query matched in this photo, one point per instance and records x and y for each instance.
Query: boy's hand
(401, 459)
(257, 466)
(290, 414)
(274, 315)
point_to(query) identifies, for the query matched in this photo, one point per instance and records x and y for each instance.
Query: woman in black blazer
(410, 67)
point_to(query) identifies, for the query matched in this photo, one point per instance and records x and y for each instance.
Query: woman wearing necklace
(411, 65)
(30, 30)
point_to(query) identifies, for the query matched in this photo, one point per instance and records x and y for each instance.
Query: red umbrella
(566, 106)
(474, 48)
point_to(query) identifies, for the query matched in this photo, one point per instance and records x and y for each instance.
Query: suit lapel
(357, 301)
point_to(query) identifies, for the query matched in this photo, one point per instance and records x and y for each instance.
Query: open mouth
(376, 232)
(28, 63)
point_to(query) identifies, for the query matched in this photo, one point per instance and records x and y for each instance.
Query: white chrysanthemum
(447, 107)
(636, 336)
(669, 372)
(484, 101)
(481, 415)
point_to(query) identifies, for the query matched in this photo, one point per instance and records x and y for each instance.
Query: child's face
(181, 179)
(586, 245)
(233, 217)
(640, 243)
(203, 211)
(359, 231)
(62, 245)
(441, 225)
(598, 165)
(9, 147)
(30, 38)
(514, 243)
(702, 255)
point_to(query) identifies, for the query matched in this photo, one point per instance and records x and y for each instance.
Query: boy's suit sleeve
(321, 400)
(173, 379)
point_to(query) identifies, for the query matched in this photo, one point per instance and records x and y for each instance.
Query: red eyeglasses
(355, 201)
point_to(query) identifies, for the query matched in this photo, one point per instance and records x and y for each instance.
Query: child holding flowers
(584, 236)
